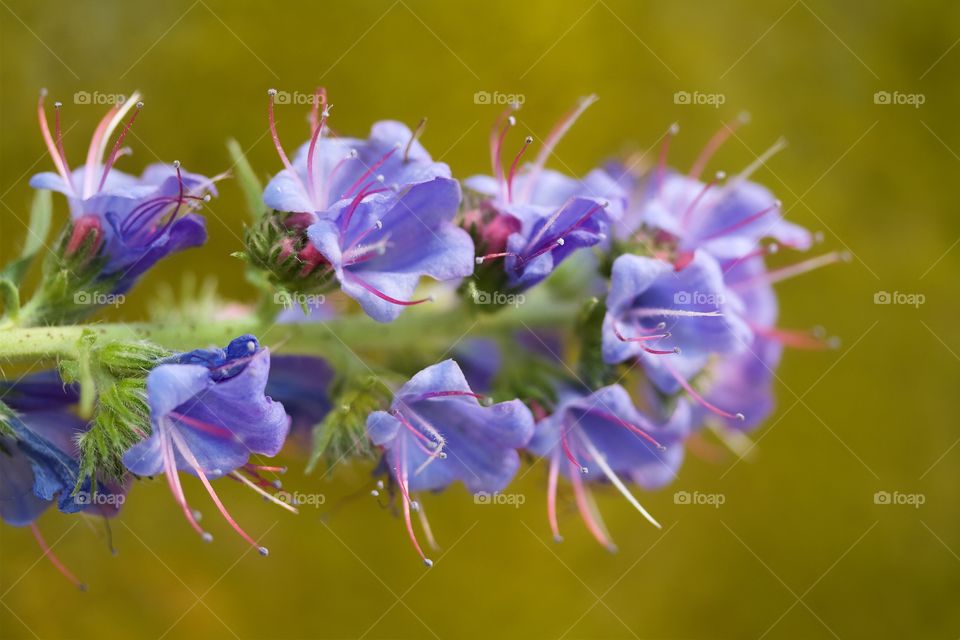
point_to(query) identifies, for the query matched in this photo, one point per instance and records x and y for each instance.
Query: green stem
(339, 339)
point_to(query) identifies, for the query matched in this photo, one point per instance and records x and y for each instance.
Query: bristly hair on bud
(343, 432)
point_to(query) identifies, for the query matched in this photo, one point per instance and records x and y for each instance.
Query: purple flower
(437, 433)
(327, 169)
(382, 211)
(600, 436)
(673, 321)
(133, 221)
(208, 414)
(380, 246)
(727, 218)
(554, 214)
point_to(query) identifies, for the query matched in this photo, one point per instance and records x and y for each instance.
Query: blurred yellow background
(800, 547)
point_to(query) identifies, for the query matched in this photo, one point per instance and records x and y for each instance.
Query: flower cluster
(676, 327)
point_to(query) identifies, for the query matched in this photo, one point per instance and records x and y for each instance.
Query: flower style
(603, 431)
(537, 217)
(134, 221)
(208, 414)
(436, 433)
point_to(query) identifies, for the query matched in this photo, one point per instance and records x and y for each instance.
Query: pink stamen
(401, 474)
(513, 167)
(493, 256)
(721, 136)
(742, 223)
(173, 481)
(259, 467)
(552, 498)
(662, 160)
(366, 174)
(497, 131)
(312, 186)
(192, 461)
(95, 141)
(556, 134)
(116, 147)
(369, 287)
(273, 133)
(586, 512)
(623, 338)
(58, 161)
(635, 429)
(367, 190)
(785, 273)
(416, 432)
(568, 452)
(700, 399)
(413, 138)
(54, 560)
(202, 426)
(685, 219)
(497, 153)
(792, 338)
(59, 134)
(319, 105)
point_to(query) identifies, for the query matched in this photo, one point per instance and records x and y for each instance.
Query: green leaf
(247, 179)
(41, 213)
(10, 297)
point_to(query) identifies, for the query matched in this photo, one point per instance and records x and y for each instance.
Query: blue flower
(327, 169)
(437, 433)
(379, 246)
(600, 436)
(725, 217)
(133, 221)
(208, 414)
(673, 321)
(554, 214)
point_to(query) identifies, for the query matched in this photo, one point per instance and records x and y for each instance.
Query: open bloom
(208, 414)
(382, 211)
(673, 321)
(437, 433)
(600, 436)
(134, 221)
(542, 216)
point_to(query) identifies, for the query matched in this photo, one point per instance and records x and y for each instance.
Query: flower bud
(86, 237)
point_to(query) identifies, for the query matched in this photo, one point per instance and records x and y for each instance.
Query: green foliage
(122, 419)
(247, 179)
(41, 213)
(343, 432)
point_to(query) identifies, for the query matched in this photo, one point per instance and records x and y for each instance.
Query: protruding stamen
(380, 294)
(513, 167)
(553, 138)
(615, 480)
(761, 160)
(685, 218)
(569, 452)
(497, 153)
(369, 172)
(700, 399)
(413, 137)
(784, 273)
(744, 222)
(116, 147)
(591, 517)
(552, 497)
(58, 162)
(270, 497)
(54, 560)
(59, 133)
(664, 149)
(721, 136)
